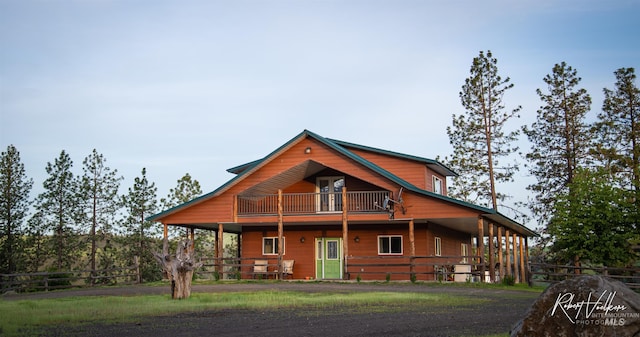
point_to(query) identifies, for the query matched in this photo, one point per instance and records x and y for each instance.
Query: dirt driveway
(497, 314)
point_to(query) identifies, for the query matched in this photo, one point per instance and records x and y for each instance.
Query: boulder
(583, 306)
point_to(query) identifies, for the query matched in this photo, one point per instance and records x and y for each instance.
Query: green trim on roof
(241, 168)
(396, 154)
(338, 146)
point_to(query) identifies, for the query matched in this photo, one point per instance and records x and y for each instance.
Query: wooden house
(339, 210)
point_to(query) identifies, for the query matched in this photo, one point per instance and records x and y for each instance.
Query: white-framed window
(389, 244)
(464, 251)
(438, 246)
(437, 185)
(270, 245)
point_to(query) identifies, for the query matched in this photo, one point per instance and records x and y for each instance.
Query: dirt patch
(496, 314)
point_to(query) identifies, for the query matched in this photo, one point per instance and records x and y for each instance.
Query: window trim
(439, 184)
(275, 239)
(390, 245)
(438, 246)
(464, 251)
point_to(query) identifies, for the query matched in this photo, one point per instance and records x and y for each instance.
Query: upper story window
(437, 185)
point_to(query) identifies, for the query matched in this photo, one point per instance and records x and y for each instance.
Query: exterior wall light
(307, 150)
(302, 239)
(356, 239)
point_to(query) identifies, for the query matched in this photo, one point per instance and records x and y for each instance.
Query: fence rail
(45, 281)
(312, 203)
(440, 268)
(550, 273)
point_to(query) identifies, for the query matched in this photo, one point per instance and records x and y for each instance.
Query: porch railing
(312, 203)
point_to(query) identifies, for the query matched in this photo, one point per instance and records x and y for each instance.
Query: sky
(201, 86)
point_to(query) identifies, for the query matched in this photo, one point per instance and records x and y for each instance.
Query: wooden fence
(440, 268)
(45, 281)
(543, 273)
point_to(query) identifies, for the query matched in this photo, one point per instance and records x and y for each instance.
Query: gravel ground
(497, 314)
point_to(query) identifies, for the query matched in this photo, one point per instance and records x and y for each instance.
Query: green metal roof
(340, 147)
(436, 165)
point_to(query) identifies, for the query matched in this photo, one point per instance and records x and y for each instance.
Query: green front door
(329, 258)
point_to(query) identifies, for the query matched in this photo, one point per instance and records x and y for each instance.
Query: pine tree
(186, 190)
(140, 203)
(14, 205)
(560, 139)
(98, 188)
(479, 138)
(618, 130)
(58, 208)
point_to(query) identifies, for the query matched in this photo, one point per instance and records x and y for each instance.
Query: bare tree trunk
(179, 269)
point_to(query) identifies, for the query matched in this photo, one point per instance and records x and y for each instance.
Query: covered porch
(310, 231)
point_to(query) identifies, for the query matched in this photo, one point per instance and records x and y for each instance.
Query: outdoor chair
(260, 268)
(287, 269)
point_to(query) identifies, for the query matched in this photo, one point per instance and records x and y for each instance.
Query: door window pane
(332, 250)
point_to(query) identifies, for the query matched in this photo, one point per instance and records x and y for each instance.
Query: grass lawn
(20, 316)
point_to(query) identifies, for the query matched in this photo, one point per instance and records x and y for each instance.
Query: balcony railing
(312, 203)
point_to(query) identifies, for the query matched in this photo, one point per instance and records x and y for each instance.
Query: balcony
(314, 203)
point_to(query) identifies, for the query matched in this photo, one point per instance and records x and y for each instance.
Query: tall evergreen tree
(618, 130)
(186, 190)
(98, 188)
(58, 208)
(139, 203)
(560, 139)
(14, 205)
(479, 138)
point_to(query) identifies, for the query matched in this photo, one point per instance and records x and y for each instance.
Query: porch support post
(507, 252)
(526, 260)
(220, 250)
(412, 249)
(166, 232)
(481, 247)
(165, 249)
(500, 259)
(492, 269)
(280, 235)
(516, 274)
(192, 237)
(345, 235)
(235, 208)
(522, 270)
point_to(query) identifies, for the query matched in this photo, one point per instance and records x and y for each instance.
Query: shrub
(509, 280)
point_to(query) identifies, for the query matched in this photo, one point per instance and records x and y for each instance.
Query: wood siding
(303, 253)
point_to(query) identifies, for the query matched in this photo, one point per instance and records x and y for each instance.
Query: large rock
(583, 306)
